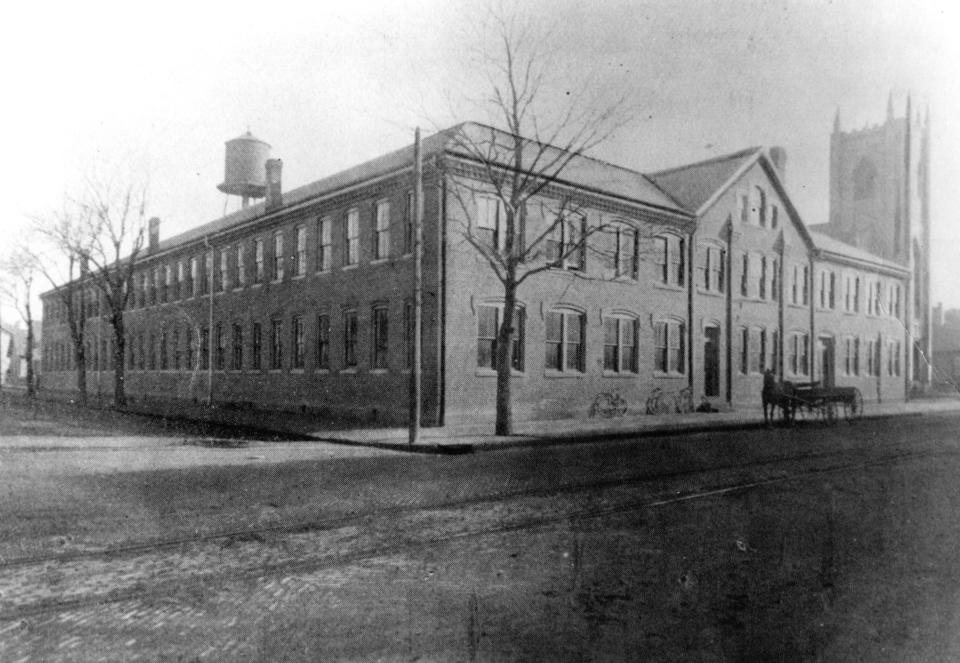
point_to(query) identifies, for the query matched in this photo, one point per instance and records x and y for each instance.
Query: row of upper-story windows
(859, 293)
(281, 254)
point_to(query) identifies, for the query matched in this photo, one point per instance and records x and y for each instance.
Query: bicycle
(657, 404)
(608, 404)
(683, 401)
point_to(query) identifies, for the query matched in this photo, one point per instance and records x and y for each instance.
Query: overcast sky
(328, 85)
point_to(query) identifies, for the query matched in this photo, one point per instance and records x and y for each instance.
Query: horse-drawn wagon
(810, 399)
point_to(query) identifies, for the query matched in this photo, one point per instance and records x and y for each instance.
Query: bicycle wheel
(619, 406)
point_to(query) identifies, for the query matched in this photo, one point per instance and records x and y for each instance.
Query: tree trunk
(505, 334)
(119, 353)
(28, 355)
(80, 358)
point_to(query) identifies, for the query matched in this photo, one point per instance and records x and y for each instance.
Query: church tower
(880, 202)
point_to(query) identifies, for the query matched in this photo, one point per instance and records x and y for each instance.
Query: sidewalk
(479, 437)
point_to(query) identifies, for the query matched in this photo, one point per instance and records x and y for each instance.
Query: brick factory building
(702, 276)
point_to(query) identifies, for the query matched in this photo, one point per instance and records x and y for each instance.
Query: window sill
(379, 371)
(670, 376)
(274, 370)
(321, 272)
(257, 284)
(555, 374)
(799, 306)
(623, 375)
(710, 293)
(669, 286)
(352, 265)
(298, 277)
(379, 261)
(238, 288)
(349, 371)
(275, 281)
(491, 373)
(321, 371)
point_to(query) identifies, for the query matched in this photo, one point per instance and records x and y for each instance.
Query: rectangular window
(324, 235)
(669, 254)
(224, 275)
(409, 219)
(221, 356)
(488, 326)
(276, 273)
(564, 341)
(381, 338)
(190, 354)
(164, 365)
(298, 358)
(856, 356)
(205, 348)
(237, 348)
(775, 350)
(670, 347)
(847, 294)
(489, 219)
(194, 285)
(856, 294)
(626, 252)
(350, 339)
(566, 246)
(620, 345)
(381, 238)
(774, 216)
(258, 260)
(323, 341)
(745, 276)
(170, 293)
(717, 268)
(743, 199)
(159, 284)
(256, 333)
(276, 344)
(744, 350)
(848, 355)
(179, 289)
(832, 297)
(352, 254)
(762, 278)
(240, 266)
(300, 257)
(175, 342)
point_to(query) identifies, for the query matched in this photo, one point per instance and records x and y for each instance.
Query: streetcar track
(303, 526)
(337, 522)
(390, 548)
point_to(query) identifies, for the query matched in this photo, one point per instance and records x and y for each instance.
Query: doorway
(711, 361)
(825, 359)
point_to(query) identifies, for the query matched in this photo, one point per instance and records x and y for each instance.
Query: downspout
(206, 243)
(690, 303)
(781, 316)
(729, 332)
(442, 302)
(811, 342)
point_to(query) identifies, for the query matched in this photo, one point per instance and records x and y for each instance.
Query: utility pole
(415, 369)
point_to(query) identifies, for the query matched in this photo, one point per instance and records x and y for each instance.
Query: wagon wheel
(853, 406)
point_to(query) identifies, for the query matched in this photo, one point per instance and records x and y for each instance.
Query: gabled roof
(829, 245)
(581, 171)
(693, 185)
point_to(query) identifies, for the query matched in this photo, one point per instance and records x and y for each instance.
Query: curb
(529, 441)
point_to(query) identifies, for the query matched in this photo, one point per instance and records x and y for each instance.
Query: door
(711, 361)
(826, 360)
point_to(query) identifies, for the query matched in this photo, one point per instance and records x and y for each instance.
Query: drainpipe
(781, 316)
(811, 343)
(206, 243)
(691, 254)
(729, 331)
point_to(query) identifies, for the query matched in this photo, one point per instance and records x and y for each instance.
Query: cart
(809, 399)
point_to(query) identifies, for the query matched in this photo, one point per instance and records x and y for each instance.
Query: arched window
(758, 207)
(864, 179)
(620, 343)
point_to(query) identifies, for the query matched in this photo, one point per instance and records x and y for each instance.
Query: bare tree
(104, 234)
(18, 271)
(518, 166)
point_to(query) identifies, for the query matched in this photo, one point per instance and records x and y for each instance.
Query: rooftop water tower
(245, 168)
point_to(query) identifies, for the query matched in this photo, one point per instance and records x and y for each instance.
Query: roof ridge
(705, 162)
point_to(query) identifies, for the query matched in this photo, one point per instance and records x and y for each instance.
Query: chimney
(274, 190)
(778, 156)
(153, 234)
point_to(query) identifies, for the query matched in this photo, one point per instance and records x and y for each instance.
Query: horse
(776, 395)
